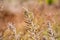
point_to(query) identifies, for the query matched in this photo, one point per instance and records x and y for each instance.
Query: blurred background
(29, 19)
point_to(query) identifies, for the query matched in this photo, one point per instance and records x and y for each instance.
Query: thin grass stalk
(50, 31)
(31, 24)
(12, 28)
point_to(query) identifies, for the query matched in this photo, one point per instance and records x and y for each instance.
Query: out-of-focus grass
(36, 24)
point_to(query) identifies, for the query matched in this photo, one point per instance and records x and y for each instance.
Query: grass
(38, 25)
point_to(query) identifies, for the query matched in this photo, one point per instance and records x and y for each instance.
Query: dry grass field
(29, 20)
